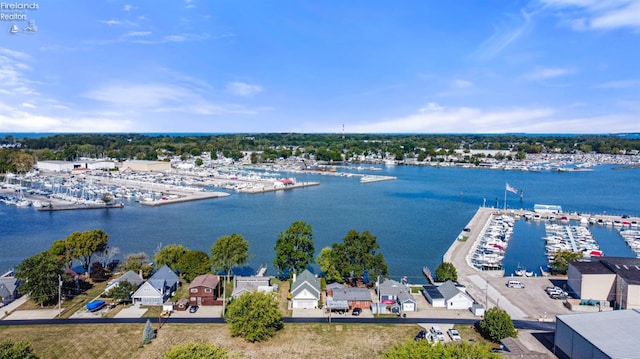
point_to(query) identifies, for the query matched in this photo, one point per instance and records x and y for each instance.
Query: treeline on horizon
(326, 147)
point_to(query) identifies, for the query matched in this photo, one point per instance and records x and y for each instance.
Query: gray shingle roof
(352, 294)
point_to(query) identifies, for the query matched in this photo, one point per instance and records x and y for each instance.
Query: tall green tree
(294, 248)
(169, 255)
(16, 350)
(497, 325)
(229, 251)
(122, 292)
(561, 260)
(40, 276)
(423, 349)
(254, 316)
(137, 262)
(60, 249)
(327, 265)
(193, 264)
(83, 245)
(359, 253)
(196, 350)
(446, 271)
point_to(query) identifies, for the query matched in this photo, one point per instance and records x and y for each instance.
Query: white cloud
(504, 35)
(597, 14)
(128, 7)
(461, 84)
(28, 105)
(111, 22)
(137, 33)
(548, 73)
(619, 84)
(243, 89)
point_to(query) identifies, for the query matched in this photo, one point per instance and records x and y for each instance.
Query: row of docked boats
(632, 237)
(491, 246)
(570, 238)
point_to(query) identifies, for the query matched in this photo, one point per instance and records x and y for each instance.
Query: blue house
(158, 289)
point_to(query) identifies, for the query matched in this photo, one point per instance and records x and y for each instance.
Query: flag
(511, 189)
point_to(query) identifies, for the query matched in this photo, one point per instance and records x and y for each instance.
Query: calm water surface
(415, 218)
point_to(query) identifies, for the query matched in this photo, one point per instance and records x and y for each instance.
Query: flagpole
(505, 196)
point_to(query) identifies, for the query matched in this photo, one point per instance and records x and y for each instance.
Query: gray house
(251, 284)
(8, 290)
(393, 292)
(158, 289)
(130, 276)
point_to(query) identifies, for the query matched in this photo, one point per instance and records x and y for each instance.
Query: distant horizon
(531, 66)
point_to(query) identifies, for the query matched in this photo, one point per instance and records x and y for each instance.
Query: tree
(294, 248)
(40, 275)
(497, 325)
(16, 350)
(83, 245)
(148, 334)
(446, 271)
(561, 260)
(254, 316)
(60, 249)
(137, 262)
(169, 255)
(423, 349)
(196, 350)
(122, 292)
(358, 254)
(229, 251)
(327, 266)
(193, 264)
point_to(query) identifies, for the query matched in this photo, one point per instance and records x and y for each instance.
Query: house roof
(433, 292)
(308, 287)
(307, 277)
(130, 276)
(167, 275)
(626, 268)
(351, 294)
(147, 290)
(334, 286)
(249, 284)
(448, 290)
(10, 283)
(392, 287)
(205, 280)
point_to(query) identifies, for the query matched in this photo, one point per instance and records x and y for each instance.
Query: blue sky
(540, 66)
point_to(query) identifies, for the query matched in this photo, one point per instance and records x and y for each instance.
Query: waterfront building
(146, 166)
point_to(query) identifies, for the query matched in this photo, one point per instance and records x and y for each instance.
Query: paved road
(519, 324)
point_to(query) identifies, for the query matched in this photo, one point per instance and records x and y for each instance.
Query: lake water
(415, 218)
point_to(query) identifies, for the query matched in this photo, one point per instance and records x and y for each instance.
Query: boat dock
(71, 207)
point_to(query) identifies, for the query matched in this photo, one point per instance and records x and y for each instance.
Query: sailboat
(14, 29)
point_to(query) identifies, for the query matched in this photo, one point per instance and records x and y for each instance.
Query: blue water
(415, 218)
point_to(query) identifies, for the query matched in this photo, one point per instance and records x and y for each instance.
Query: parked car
(454, 334)
(515, 284)
(436, 332)
(193, 309)
(356, 311)
(421, 335)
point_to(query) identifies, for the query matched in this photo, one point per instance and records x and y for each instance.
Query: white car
(436, 332)
(454, 335)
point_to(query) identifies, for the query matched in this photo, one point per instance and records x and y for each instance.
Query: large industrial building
(611, 280)
(599, 335)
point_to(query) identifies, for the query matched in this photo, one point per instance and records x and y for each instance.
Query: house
(447, 295)
(615, 280)
(244, 284)
(354, 297)
(205, 290)
(130, 276)
(160, 287)
(305, 291)
(8, 290)
(391, 291)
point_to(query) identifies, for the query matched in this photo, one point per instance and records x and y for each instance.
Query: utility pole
(59, 296)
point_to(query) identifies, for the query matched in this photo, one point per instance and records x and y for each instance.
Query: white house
(447, 295)
(305, 291)
(391, 291)
(160, 287)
